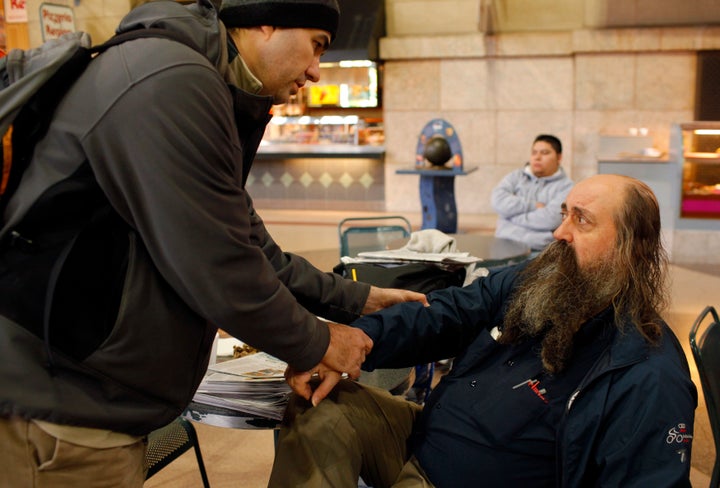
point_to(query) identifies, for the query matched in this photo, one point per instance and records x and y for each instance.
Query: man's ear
(267, 30)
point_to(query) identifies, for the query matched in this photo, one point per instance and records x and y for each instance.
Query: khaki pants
(357, 431)
(29, 457)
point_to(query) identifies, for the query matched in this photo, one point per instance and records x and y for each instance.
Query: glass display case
(305, 129)
(325, 130)
(700, 157)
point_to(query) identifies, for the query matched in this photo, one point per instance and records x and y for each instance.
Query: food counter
(634, 156)
(686, 180)
(660, 174)
(331, 162)
(685, 183)
(295, 150)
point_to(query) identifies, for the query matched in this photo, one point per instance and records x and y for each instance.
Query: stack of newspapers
(253, 385)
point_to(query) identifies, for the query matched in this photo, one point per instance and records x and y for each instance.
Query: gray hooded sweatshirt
(514, 200)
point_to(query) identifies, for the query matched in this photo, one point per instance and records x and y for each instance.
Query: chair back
(359, 234)
(705, 345)
(168, 443)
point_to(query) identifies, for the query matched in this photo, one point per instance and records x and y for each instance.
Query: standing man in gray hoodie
(131, 238)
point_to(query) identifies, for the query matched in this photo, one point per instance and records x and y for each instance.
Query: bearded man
(565, 374)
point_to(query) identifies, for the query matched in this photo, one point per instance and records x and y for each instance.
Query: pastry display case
(700, 170)
(305, 129)
(700, 157)
(324, 137)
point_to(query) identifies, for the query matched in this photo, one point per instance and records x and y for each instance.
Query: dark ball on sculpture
(437, 151)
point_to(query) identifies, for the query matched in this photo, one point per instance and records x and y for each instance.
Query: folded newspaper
(253, 384)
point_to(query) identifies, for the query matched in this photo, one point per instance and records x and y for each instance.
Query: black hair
(552, 140)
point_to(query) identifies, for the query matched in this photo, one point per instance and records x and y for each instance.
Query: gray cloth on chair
(430, 241)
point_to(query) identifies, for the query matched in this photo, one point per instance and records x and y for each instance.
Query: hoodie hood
(197, 22)
(557, 175)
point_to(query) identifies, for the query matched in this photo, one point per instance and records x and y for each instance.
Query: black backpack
(34, 82)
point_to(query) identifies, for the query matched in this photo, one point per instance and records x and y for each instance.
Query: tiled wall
(318, 184)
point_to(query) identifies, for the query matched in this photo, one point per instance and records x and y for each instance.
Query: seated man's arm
(409, 333)
(505, 199)
(546, 218)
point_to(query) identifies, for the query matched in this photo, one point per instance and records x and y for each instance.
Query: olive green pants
(32, 458)
(357, 431)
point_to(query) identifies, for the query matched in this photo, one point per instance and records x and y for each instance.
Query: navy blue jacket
(629, 422)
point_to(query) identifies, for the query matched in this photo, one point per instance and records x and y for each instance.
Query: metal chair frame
(705, 346)
(358, 234)
(168, 443)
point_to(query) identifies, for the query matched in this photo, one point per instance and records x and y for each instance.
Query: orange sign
(324, 95)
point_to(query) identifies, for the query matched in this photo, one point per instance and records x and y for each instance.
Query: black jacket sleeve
(327, 295)
(409, 333)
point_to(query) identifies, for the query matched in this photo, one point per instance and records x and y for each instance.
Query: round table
(397, 381)
(226, 417)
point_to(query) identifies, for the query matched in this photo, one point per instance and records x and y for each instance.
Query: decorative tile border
(343, 183)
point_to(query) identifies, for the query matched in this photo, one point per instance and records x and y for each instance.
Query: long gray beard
(556, 298)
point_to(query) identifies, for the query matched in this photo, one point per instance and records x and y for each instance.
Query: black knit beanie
(309, 14)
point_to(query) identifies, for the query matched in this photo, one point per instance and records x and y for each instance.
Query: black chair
(705, 345)
(170, 442)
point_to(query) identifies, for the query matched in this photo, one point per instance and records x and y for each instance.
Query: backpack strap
(33, 120)
(144, 33)
(32, 123)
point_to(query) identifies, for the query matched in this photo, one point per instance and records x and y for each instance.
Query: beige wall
(500, 91)
(510, 69)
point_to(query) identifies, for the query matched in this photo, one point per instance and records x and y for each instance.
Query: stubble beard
(556, 298)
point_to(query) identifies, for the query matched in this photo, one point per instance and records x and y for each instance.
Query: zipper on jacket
(589, 379)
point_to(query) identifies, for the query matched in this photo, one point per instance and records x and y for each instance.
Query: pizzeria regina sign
(56, 20)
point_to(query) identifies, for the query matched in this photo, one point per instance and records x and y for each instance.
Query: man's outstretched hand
(380, 298)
